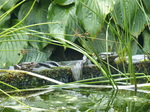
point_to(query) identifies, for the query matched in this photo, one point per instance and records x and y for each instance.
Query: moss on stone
(64, 74)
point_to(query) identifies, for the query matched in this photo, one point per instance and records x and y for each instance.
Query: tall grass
(125, 46)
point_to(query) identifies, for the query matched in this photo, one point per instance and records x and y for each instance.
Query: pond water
(77, 100)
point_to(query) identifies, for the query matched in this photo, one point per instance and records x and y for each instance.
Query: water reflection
(80, 100)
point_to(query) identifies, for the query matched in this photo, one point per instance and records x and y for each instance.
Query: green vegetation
(31, 30)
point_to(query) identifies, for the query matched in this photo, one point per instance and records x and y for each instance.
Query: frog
(27, 66)
(111, 56)
(33, 66)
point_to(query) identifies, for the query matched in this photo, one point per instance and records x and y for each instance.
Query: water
(77, 100)
(77, 68)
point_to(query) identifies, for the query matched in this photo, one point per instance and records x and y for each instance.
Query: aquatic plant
(110, 25)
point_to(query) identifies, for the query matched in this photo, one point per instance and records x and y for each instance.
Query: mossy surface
(64, 74)
(21, 80)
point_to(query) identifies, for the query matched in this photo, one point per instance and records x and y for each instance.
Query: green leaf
(124, 11)
(35, 55)
(64, 2)
(37, 15)
(134, 47)
(146, 44)
(129, 16)
(11, 47)
(92, 13)
(147, 4)
(4, 20)
(138, 23)
(7, 4)
(65, 15)
(99, 43)
(38, 45)
(72, 27)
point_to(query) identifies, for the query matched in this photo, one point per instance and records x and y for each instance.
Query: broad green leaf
(64, 2)
(92, 13)
(72, 28)
(146, 37)
(37, 15)
(65, 15)
(7, 4)
(129, 16)
(35, 55)
(147, 4)
(99, 43)
(134, 47)
(138, 23)
(4, 20)
(124, 11)
(147, 11)
(11, 48)
(148, 20)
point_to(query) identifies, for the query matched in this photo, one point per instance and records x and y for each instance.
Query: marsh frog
(111, 56)
(27, 66)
